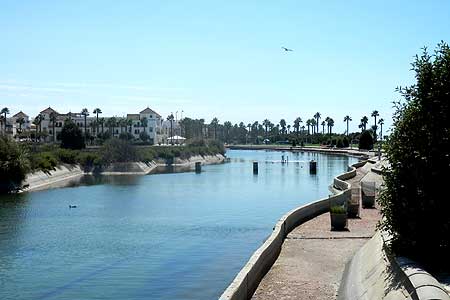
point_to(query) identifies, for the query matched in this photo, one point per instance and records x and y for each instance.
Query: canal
(161, 236)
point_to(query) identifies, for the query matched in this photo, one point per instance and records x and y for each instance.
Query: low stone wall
(248, 279)
(40, 180)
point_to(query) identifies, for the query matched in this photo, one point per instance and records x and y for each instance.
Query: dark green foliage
(89, 159)
(415, 204)
(345, 142)
(339, 143)
(126, 136)
(44, 161)
(14, 164)
(71, 136)
(67, 156)
(366, 140)
(118, 150)
(144, 136)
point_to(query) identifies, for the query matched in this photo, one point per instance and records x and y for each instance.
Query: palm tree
(364, 121)
(101, 121)
(308, 123)
(215, 123)
(227, 126)
(97, 111)
(171, 118)
(144, 123)
(85, 113)
(129, 122)
(347, 119)
(283, 126)
(323, 127)
(20, 121)
(266, 124)
(4, 112)
(314, 125)
(111, 123)
(53, 120)
(37, 122)
(375, 114)
(2, 120)
(330, 124)
(327, 120)
(381, 122)
(297, 124)
(317, 117)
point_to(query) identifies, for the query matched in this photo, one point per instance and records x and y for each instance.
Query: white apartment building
(147, 121)
(16, 125)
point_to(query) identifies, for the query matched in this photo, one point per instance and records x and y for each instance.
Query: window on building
(150, 129)
(136, 131)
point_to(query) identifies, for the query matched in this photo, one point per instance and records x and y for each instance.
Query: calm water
(166, 236)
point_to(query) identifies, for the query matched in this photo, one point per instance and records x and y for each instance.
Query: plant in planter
(338, 214)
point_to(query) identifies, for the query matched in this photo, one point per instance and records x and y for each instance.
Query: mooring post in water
(198, 167)
(312, 167)
(255, 167)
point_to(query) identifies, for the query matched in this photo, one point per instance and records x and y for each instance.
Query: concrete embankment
(64, 175)
(248, 279)
(126, 168)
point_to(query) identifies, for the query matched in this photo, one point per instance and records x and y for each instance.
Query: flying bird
(286, 49)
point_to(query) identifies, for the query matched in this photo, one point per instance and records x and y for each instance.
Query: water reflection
(174, 235)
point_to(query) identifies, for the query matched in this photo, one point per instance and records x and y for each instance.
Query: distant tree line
(313, 131)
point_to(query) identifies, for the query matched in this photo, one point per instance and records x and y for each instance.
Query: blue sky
(214, 58)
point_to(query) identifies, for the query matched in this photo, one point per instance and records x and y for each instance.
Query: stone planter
(368, 201)
(353, 210)
(338, 221)
(368, 194)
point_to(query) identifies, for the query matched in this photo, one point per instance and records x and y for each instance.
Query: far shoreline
(64, 174)
(340, 151)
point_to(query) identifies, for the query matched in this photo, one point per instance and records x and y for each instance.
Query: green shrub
(117, 150)
(366, 141)
(340, 143)
(345, 142)
(89, 159)
(67, 156)
(14, 164)
(44, 161)
(143, 136)
(415, 204)
(71, 136)
(126, 136)
(338, 210)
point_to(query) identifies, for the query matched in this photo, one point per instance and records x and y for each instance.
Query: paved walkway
(313, 257)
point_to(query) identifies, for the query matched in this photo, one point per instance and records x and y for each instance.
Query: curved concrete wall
(248, 279)
(374, 274)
